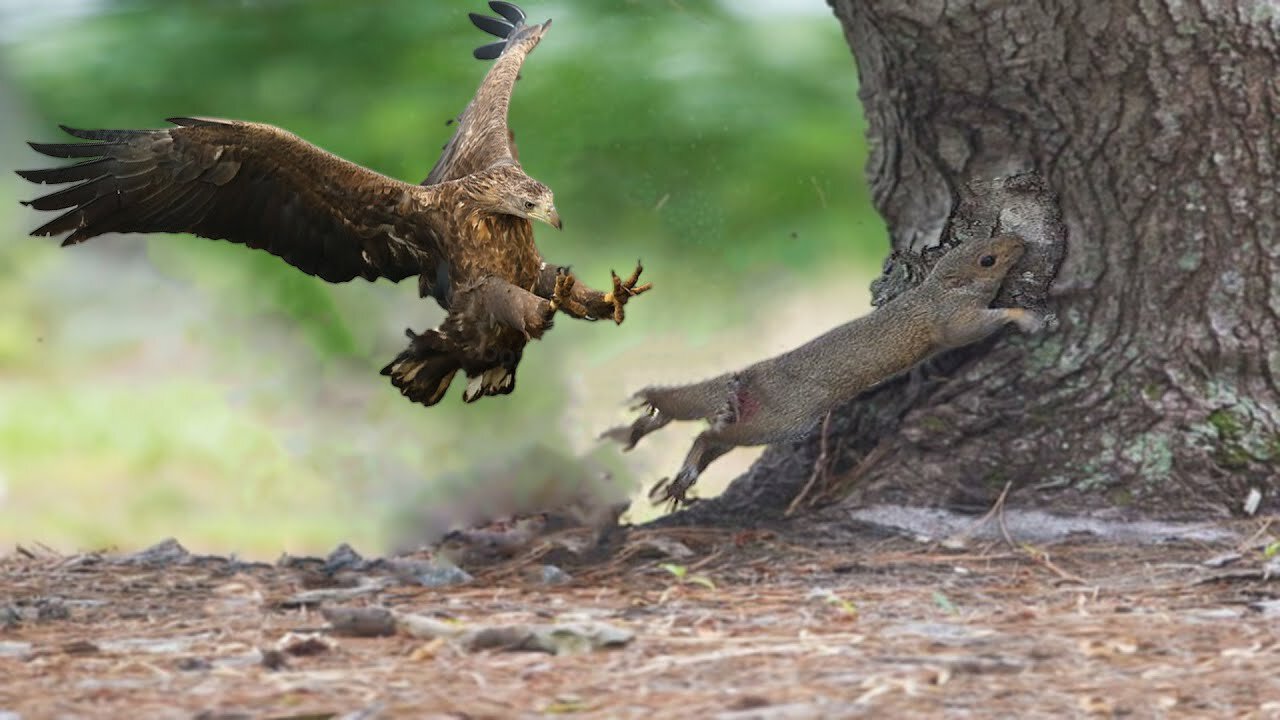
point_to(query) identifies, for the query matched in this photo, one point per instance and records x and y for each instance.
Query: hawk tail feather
(497, 380)
(423, 371)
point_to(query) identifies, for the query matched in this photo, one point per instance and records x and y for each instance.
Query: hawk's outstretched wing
(482, 137)
(245, 182)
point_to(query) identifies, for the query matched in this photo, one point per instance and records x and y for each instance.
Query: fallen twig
(819, 468)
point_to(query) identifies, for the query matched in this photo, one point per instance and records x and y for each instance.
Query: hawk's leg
(513, 306)
(582, 302)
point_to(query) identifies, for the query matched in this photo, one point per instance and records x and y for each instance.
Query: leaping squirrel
(779, 398)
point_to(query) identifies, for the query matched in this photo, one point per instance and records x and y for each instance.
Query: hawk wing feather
(482, 138)
(248, 183)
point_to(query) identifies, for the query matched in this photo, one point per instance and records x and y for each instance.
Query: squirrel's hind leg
(705, 450)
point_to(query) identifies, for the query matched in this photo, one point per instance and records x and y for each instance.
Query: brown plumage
(465, 232)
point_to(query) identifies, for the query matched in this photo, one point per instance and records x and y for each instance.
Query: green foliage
(681, 574)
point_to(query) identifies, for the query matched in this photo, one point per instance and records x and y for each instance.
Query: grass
(127, 465)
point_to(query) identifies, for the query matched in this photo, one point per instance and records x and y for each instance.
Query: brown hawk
(465, 232)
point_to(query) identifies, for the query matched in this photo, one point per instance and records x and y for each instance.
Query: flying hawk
(465, 232)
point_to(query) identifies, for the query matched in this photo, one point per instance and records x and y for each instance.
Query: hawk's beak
(553, 219)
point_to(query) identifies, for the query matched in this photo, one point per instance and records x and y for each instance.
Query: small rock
(360, 622)
(14, 649)
(1252, 501)
(49, 609)
(343, 557)
(163, 553)
(80, 647)
(442, 576)
(407, 570)
(10, 616)
(274, 660)
(193, 664)
(556, 639)
(552, 575)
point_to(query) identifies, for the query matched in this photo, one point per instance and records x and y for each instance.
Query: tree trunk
(1158, 393)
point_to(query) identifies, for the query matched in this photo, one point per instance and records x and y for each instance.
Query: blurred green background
(160, 385)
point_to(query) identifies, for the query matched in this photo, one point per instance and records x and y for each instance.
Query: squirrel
(779, 398)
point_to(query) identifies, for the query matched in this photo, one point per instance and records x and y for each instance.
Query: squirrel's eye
(987, 260)
(528, 205)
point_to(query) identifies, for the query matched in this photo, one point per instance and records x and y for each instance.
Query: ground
(706, 623)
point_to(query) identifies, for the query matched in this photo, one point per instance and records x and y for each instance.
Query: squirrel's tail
(423, 370)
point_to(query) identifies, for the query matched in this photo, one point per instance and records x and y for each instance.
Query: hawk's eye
(528, 205)
(987, 260)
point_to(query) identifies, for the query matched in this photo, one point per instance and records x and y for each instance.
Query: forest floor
(671, 623)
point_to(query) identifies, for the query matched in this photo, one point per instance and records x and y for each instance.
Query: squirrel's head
(978, 266)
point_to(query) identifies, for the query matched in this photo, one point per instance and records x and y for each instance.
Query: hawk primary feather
(465, 232)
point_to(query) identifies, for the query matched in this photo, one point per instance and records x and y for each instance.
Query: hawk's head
(530, 199)
(508, 191)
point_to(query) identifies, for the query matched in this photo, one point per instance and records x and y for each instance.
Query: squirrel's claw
(624, 290)
(673, 493)
(658, 493)
(1028, 321)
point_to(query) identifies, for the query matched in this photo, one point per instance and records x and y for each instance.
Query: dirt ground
(699, 623)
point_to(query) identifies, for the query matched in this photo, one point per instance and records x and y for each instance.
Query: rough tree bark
(1155, 123)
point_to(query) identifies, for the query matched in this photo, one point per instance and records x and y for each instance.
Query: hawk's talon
(562, 297)
(624, 290)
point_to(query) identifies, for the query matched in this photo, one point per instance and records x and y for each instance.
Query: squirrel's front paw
(1027, 321)
(624, 290)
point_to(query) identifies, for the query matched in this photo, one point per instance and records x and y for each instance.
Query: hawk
(465, 232)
